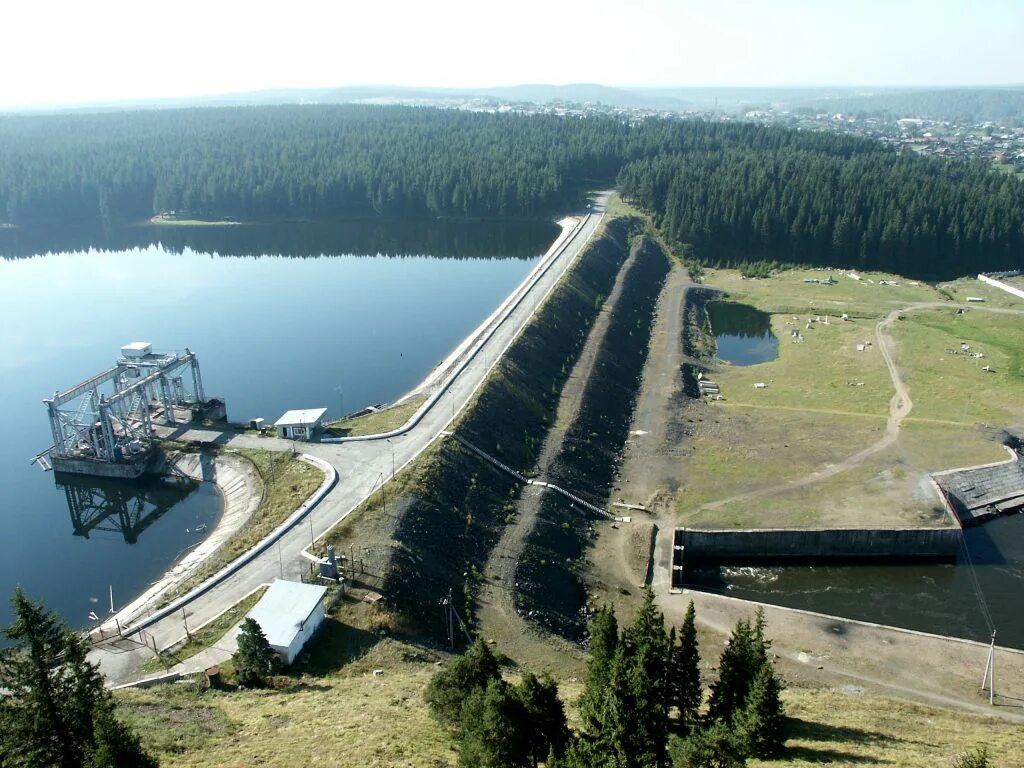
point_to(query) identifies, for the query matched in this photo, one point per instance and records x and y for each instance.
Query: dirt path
(826, 650)
(497, 615)
(900, 406)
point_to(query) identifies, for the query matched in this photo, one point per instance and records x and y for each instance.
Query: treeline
(328, 161)
(921, 217)
(737, 192)
(642, 705)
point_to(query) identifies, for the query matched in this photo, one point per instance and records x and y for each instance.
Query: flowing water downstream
(282, 316)
(940, 598)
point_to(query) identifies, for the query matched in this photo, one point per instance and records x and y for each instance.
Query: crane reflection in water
(118, 506)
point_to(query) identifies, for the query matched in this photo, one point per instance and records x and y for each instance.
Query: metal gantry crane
(104, 425)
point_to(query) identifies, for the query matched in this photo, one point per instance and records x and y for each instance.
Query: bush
(715, 747)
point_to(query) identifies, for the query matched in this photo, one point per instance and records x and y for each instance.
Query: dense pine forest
(735, 192)
(919, 217)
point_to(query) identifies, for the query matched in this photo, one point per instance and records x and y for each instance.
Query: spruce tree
(115, 745)
(255, 661)
(735, 674)
(56, 711)
(464, 675)
(761, 724)
(546, 730)
(604, 640)
(494, 731)
(684, 665)
(633, 732)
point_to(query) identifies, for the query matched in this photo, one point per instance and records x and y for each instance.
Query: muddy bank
(460, 504)
(549, 576)
(698, 338)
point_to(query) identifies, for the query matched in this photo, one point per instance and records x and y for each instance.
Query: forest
(919, 217)
(734, 191)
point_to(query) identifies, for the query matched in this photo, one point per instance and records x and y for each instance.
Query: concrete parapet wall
(812, 543)
(1001, 285)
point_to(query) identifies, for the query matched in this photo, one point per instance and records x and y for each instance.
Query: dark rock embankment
(549, 587)
(461, 503)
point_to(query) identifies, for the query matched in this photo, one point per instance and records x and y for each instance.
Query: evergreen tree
(744, 654)
(761, 724)
(255, 661)
(115, 745)
(684, 672)
(471, 672)
(546, 730)
(713, 747)
(633, 732)
(494, 729)
(603, 641)
(57, 711)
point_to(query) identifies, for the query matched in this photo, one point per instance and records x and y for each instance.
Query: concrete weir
(811, 545)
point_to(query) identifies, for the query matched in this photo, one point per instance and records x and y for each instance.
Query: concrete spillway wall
(818, 544)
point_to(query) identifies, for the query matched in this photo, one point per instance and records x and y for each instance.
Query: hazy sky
(65, 51)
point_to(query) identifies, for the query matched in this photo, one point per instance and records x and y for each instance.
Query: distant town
(1002, 144)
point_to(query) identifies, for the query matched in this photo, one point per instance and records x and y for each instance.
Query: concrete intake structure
(110, 434)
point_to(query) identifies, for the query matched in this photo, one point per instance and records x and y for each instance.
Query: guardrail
(523, 291)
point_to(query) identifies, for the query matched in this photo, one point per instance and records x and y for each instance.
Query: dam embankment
(549, 576)
(459, 504)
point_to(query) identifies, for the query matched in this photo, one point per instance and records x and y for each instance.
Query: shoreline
(234, 479)
(440, 371)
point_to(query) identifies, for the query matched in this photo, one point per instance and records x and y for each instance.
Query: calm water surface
(326, 320)
(743, 334)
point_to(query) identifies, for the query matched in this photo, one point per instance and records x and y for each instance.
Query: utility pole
(989, 679)
(312, 541)
(280, 562)
(184, 620)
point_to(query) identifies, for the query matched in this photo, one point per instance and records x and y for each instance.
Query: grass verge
(285, 482)
(204, 637)
(374, 423)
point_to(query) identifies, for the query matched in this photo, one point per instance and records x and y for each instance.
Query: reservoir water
(743, 334)
(282, 316)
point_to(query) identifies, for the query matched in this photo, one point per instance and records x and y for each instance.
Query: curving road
(362, 465)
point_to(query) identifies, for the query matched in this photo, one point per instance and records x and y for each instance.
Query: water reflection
(440, 239)
(121, 507)
(743, 334)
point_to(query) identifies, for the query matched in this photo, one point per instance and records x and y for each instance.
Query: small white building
(300, 424)
(289, 613)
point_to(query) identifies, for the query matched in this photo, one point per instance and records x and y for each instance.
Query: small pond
(743, 334)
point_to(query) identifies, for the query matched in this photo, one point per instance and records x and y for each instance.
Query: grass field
(825, 401)
(954, 387)
(383, 420)
(285, 482)
(335, 709)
